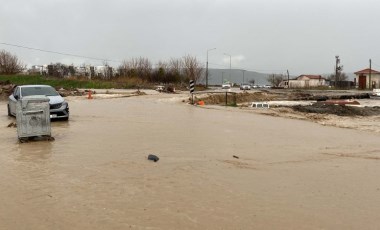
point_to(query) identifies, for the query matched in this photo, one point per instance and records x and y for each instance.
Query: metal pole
(336, 70)
(243, 76)
(207, 67)
(287, 71)
(370, 67)
(230, 63)
(207, 71)
(230, 68)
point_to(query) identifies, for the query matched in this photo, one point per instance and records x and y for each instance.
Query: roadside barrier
(230, 97)
(89, 95)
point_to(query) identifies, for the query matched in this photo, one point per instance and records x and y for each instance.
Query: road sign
(192, 86)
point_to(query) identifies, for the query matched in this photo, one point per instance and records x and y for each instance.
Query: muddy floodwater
(289, 174)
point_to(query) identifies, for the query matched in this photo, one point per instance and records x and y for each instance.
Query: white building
(304, 81)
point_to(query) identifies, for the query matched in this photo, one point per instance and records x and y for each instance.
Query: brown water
(290, 175)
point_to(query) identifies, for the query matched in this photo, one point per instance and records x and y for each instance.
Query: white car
(245, 87)
(59, 108)
(226, 86)
(160, 88)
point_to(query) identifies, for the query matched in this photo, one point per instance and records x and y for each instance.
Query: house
(304, 81)
(37, 69)
(104, 72)
(366, 76)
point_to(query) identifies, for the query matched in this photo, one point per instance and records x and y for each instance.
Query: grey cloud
(300, 35)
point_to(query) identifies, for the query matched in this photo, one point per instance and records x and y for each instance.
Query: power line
(104, 59)
(55, 52)
(375, 64)
(217, 64)
(249, 69)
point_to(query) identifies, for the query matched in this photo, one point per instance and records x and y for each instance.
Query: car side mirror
(16, 97)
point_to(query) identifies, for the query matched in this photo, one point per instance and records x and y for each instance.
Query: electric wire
(60, 53)
(109, 60)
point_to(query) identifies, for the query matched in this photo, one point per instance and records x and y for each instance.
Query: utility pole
(222, 78)
(243, 75)
(207, 67)
(338, 69)
(230, 63)
(370, 70)
(287, 71)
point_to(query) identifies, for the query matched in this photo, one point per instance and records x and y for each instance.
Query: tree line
(175, 70)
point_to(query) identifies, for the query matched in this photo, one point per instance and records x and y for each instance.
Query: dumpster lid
(41, 98)
(33, 99)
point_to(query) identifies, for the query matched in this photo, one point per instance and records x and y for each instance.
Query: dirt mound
(71, 92)
(220, 98)
(5, 89)
(339, 110)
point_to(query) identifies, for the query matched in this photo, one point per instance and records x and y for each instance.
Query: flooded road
(290, 174)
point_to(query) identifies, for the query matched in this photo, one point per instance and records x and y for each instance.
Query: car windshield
(38, 90)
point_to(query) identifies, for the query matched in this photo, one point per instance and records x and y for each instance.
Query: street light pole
(207, 67)
(243, 75)
(230, 63)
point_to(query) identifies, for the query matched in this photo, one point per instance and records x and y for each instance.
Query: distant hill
(216, 76)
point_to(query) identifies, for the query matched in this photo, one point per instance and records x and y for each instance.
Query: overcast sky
(267, 36)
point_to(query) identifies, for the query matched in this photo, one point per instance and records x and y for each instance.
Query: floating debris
(12, 125)
(36, 138)
(153, 157)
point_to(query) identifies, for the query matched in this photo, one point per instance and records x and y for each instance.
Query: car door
(13, 100)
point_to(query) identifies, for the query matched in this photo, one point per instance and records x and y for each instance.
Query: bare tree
(136, 67)
(340, 77)
(129, 68)
(161, 74)
(163, 65)
(144, 68)
(275, 79)
(176, 67)
(192, 68)
(9, 63)
(123, 68)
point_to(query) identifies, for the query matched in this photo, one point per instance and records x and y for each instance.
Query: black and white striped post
(192, 87)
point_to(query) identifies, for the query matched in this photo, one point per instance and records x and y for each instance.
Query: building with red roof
(368, 78)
